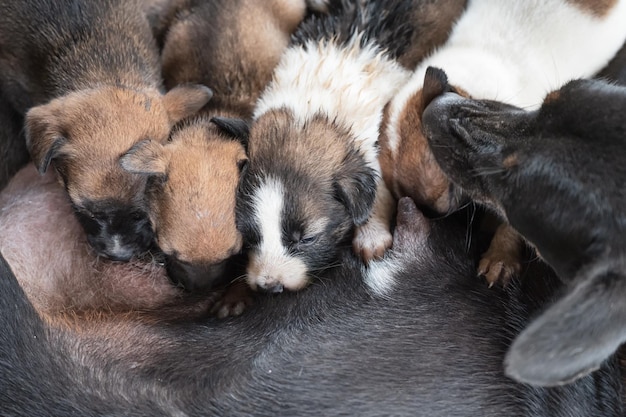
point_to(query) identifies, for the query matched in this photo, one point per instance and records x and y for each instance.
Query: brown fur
(598, 8)
(238, 43)
(433, 21)
(49, 255)
(88, 80)
(412, 171)
(431, 187)
(233, 46)
(193, 206)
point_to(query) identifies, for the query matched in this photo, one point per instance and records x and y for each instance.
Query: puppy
(514, 53)
(556, 174)
(233, 46)
(429, 349)
(49, 254)
(87, 79)
(313, 181)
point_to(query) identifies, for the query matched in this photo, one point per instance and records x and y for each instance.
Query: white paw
(371, 240)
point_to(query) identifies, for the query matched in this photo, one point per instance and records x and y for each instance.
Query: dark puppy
(557, 175)
(86, 76)
(434, 347)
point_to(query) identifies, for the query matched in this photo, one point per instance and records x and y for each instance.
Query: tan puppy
(233, 46)
(49, 253)
(87, 78)
(514, 53)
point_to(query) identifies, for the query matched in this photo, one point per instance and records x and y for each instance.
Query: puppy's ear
(44, 134)
(355, 187)
(147, 157)
(236, 128)
(185, 100)
(575, 335)
(435, 84)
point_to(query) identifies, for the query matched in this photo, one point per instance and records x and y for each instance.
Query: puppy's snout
(195, 277)
(273, 288)
(118, 235)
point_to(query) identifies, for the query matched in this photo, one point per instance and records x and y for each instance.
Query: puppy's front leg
(502, 260)
(373, 238)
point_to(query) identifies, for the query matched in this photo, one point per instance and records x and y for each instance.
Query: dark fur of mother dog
(433, 346)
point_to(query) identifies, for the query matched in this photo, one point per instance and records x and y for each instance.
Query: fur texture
(512, 53)
(85, 75)
(433, 347)
(233, 46)
(321, 113)
(557, 175)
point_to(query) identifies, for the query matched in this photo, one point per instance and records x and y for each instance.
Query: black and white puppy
(557, 175)
(314, 176)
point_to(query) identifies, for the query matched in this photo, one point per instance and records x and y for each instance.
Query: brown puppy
(87, 77)
(49, 253)
(559, 40)
(233, 46)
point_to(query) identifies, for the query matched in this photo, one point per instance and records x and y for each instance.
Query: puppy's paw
(371, 240)
(235, 299)
(502, 261)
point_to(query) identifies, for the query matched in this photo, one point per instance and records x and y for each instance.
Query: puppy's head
(408, 165)
(192, 183)
(83, 135)
(552, 172)
(305, 190)
(557, 174)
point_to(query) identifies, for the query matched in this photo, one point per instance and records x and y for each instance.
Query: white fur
(350, 84)
(380, 276)
(518, 51)
(270, 263)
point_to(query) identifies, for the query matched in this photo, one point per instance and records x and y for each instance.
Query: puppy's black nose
(272, 289)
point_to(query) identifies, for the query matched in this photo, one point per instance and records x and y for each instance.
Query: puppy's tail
(575, 335)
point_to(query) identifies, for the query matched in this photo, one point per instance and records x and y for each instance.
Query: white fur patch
(380, 276)
(270, 263)
(517, 52)
(348, 83)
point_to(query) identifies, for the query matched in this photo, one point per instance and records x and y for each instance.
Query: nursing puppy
(429, 350)
(87, 79)
(515, 53)
(233, 46)
(314, 178)
(557, 175)
(49, 254)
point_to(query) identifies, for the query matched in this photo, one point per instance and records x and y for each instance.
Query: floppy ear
(185, 100)
(236, 128)
(575, 335)
(44, 134)
(147, 157)
(355, 187)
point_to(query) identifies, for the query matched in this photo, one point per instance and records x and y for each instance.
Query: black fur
(558, 175)
(13, 152)
(344, 197)
(434, 347)
(130, 225)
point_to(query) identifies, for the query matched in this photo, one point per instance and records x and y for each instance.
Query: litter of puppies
(324, 170)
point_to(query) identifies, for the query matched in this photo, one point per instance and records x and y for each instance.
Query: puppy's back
(48, 48)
